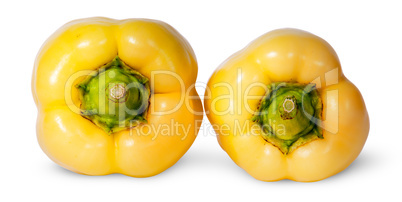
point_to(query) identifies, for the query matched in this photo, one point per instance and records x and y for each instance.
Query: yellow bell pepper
(282, 108)
(116, 96)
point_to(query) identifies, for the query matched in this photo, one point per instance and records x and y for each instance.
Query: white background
(366, 36)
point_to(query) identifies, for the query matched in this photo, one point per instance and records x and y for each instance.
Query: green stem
(115, 97)
(288, 114)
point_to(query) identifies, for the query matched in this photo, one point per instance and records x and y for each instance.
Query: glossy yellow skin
(286, 55)
(146, 45)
